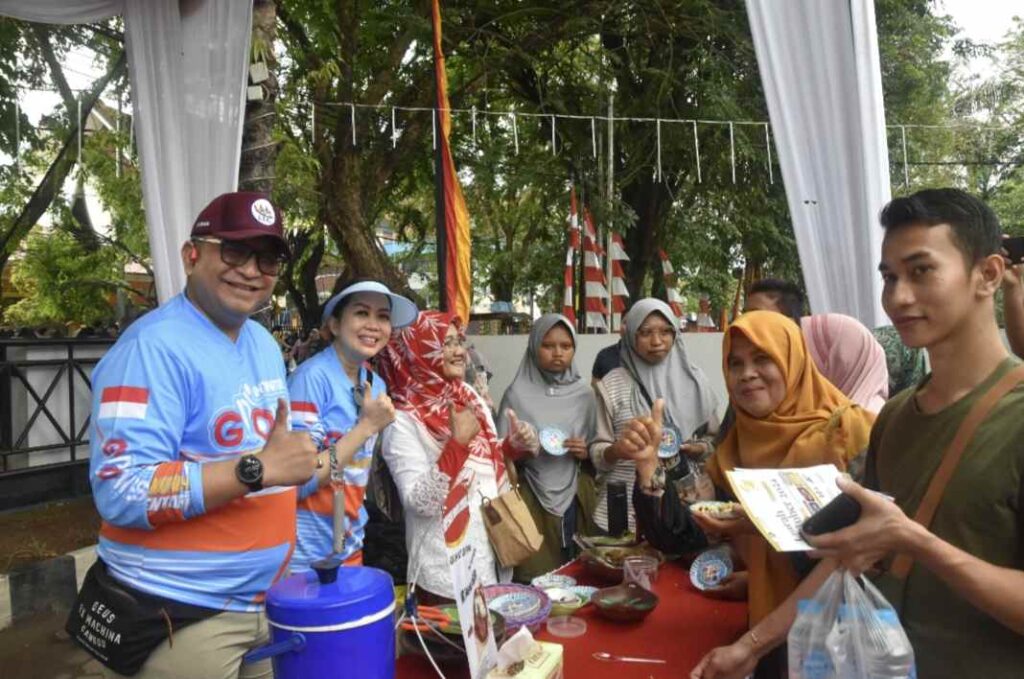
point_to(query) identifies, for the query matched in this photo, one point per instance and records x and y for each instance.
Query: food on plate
(718, 510)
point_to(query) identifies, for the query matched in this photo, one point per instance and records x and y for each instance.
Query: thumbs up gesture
(289, 457)
(522, 435)
(377, 412)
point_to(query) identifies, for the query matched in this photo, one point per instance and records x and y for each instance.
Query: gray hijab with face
(689, 400)
(544, 399)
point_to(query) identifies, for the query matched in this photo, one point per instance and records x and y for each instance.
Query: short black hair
(976, 230)
(789, 296)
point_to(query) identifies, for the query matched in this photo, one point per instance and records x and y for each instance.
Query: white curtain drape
(61, 11)
(820, 69)
(187, 61)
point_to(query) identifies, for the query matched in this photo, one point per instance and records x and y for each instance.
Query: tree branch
(42, 36)
(298, 34)
(53, 180)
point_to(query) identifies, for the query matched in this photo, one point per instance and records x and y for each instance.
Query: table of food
(621, 609)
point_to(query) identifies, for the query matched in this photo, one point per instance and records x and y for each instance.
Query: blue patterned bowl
(520, 605)
(552, 580)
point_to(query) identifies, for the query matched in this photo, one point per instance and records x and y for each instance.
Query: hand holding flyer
(778, 501)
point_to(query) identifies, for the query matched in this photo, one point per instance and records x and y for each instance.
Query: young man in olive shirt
(962, 604)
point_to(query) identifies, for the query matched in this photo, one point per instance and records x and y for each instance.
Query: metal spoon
(608, 657)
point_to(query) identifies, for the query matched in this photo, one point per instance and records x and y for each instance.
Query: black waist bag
(120, 626)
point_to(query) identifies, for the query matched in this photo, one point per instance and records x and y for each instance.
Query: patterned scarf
(412, 365)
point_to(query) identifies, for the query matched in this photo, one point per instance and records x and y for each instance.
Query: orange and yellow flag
(453, 243)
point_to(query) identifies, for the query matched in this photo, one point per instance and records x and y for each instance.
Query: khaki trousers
(210, 649)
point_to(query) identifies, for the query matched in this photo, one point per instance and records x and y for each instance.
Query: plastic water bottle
(890, 655)
(808, 659)
(841, 644)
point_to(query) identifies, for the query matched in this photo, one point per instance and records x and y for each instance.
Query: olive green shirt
(980, 513)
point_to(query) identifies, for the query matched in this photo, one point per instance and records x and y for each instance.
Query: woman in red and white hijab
(443, 431)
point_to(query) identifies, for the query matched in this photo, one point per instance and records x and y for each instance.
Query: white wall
(504, 352)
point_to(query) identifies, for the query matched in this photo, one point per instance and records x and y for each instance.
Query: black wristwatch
(249, 471)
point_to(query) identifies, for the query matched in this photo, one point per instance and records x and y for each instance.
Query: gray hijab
(689, 400)
(544, 399)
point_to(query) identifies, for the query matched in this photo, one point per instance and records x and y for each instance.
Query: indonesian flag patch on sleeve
(304, 413)
(124, 403)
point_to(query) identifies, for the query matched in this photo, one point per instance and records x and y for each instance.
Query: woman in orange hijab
(787, 415)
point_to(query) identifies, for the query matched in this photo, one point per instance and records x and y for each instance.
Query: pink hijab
(849, 356)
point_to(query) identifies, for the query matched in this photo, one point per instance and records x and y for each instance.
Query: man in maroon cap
(193, 468)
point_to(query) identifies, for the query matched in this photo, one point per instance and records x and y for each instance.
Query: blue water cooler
(326, 624)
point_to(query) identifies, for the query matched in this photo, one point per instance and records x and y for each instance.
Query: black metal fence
(45, 393)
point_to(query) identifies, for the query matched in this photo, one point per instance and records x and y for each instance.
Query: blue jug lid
(303, 600)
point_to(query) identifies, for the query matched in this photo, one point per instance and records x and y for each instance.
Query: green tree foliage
(33, 185)
(993, 148)
(62, 282)
(688, 59)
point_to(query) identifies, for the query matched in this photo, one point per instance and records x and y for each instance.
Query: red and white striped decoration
(675, 300)
(595, 292)
(619, 291)
(569, 300)
(591, 231)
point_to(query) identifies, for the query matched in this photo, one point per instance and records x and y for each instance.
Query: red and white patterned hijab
(412, 365)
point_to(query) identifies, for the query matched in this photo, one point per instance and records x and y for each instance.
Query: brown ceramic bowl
(605, 563)
(625, 603)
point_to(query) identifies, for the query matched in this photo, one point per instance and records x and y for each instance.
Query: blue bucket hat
(403, 310)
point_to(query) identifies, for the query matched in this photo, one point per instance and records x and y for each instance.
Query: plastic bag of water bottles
(849, 631)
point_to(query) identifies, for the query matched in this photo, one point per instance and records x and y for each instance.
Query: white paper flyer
(778, 501)
(477, 634)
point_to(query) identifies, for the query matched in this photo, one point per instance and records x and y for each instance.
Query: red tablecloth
(683, 627)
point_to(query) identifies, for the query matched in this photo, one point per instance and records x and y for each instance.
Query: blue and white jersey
(322, 402)
(172, 394)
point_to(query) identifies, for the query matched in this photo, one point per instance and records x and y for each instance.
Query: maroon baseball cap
(240, 215)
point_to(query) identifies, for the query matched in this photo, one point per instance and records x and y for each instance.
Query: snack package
(545, 662)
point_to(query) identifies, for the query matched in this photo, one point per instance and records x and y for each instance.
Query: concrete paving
(38, 648)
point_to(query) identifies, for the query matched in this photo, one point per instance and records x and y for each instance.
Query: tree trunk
(257, 169)
(650, 202)
(300, 277)
(344, 215)
(259, 150)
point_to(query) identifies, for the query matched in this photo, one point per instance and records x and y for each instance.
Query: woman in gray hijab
(654, 365)
(549, 393)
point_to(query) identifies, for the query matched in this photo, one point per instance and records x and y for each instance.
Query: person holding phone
(787, 415)
(962, 601)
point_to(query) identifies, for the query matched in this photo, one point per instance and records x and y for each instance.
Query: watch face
(250, 469)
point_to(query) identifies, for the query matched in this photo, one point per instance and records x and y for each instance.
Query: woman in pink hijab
(849, 356)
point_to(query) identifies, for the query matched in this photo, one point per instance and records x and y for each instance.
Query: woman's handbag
(510, 527)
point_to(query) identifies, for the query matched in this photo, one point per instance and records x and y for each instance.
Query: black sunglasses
(236, 253)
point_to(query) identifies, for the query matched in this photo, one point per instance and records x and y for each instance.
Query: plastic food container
(567, 626)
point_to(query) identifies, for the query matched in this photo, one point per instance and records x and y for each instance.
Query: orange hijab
(814, 424)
